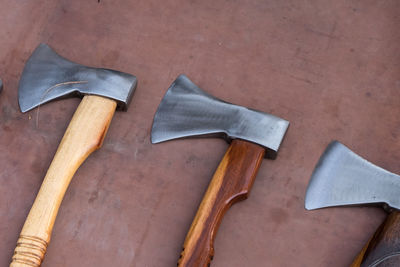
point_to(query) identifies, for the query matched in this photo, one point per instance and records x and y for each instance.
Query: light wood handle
(231, 182)
(84, 135)
(383, 249)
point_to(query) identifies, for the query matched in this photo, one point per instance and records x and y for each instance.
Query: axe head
(1, 85)
(187, 111)
(48, 76)
(341, 178)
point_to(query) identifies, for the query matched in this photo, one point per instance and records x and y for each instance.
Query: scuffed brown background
(329, 67)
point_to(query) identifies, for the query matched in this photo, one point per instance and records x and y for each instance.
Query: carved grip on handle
(84, 134)
(383, 249)
(30, 251)
(231, 182)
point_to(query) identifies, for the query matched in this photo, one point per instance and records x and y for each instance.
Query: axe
(187, 111)
(342, 178)
(46, 77)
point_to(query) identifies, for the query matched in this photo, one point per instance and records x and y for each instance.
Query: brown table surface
(329, 67)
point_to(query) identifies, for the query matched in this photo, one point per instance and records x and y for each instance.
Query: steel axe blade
(188, 111)
(48, 76)
(341, 178)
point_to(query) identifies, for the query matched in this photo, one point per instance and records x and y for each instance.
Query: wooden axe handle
(232, 182)
(84, 134)
(383, 249)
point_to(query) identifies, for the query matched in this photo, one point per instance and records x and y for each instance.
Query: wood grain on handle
(84, 135)
(232, 182)
(383, 249)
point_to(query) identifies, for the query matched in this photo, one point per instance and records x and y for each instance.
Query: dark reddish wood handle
(231, 182)
(383, 249)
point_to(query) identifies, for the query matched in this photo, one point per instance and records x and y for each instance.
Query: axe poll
(46, 77)
(187, 111)
(342, 178)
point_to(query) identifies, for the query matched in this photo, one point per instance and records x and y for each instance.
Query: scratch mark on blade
(48, 91)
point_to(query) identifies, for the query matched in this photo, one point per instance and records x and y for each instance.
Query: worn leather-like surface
(329, 67)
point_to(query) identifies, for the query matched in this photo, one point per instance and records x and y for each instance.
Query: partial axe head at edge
(1, 85)
(188, 111)
(46, 77)
(343, 178)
